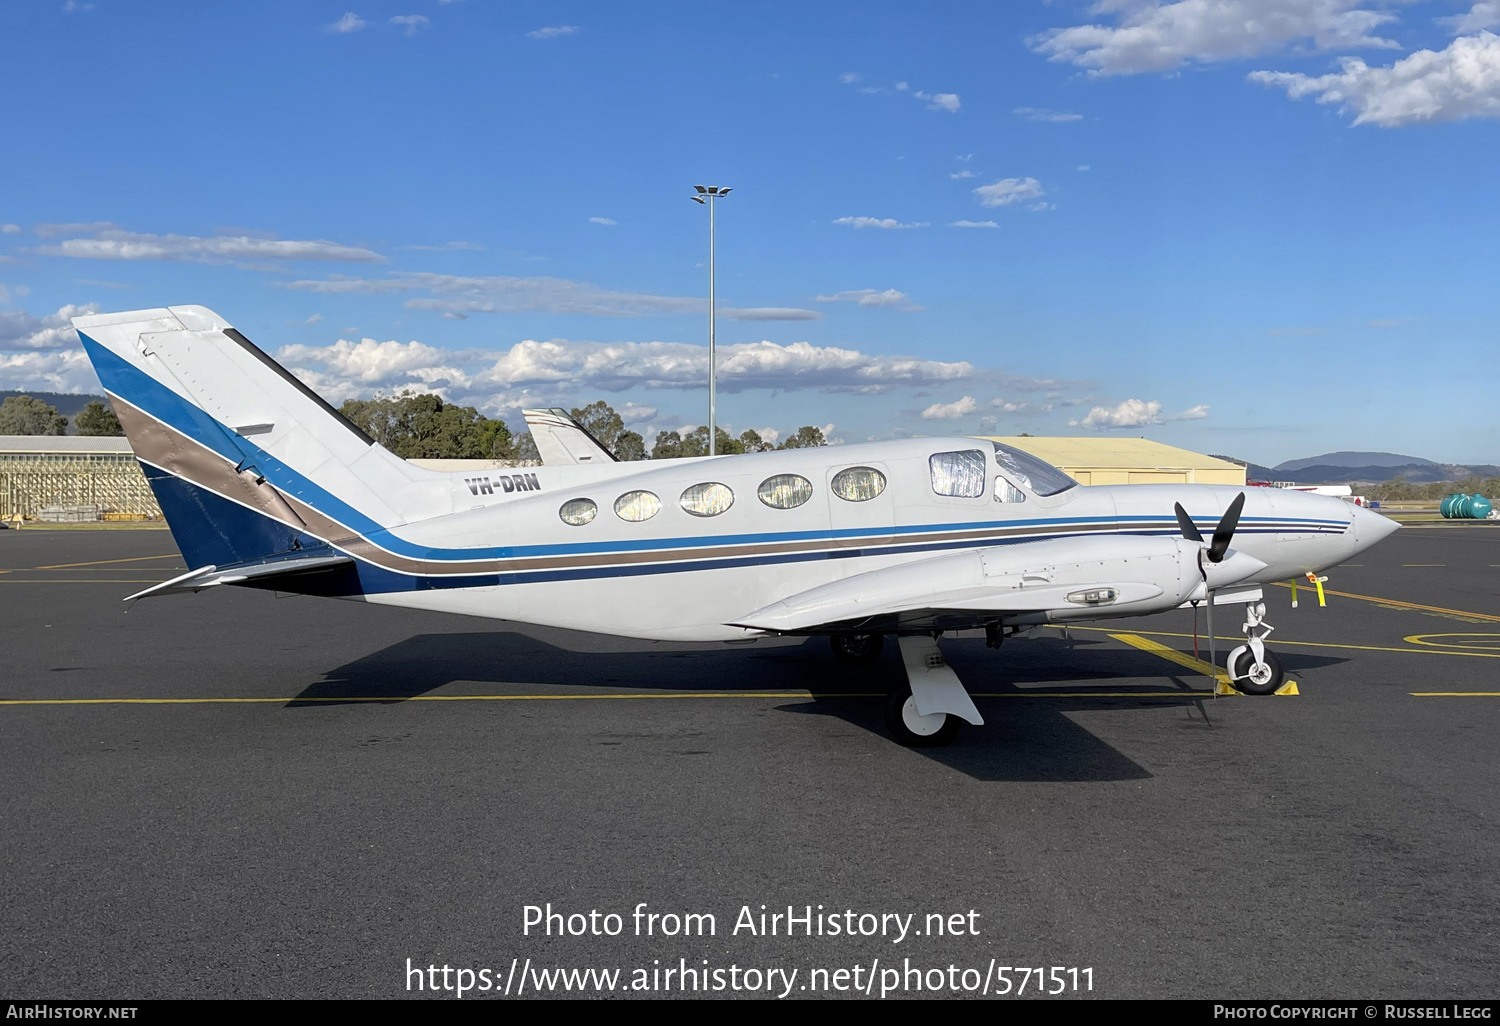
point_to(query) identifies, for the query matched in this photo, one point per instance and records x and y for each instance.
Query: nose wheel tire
(1251, 679)
(857, 648)
(911, 728)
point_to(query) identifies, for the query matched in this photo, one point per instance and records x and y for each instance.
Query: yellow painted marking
(1303, 644)
(1172, 655)
(89, 580)
(428, 698)
(1490, 641)
(1406, 605)
(1455, 694)
(1222, 686)
(97, 562)
(1424, 564)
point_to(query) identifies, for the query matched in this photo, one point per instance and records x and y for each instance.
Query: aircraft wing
(1108, 575)
(561, 440)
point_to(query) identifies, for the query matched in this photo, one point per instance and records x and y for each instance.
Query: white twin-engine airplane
(265, 485)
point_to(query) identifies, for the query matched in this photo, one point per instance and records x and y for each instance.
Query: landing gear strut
(1252, 669)
(857, 648)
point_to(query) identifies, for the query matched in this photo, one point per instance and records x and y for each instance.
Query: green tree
(98, 419)
(805, 437)
(422, 426)
(750, 441)
(668, 446)
(524, 448)
(496, 441)
(600, 420)
(23, 415)
(630, 446)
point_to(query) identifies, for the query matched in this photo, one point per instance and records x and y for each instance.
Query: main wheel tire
(857, 648)
(911, 728)
(1250, 679)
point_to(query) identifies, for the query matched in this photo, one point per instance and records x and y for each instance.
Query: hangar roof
(64, 443)
(1113, 451)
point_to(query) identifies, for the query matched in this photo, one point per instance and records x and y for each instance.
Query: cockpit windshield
(1039, 477)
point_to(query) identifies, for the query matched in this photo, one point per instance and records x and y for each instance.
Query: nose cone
(1370, 527)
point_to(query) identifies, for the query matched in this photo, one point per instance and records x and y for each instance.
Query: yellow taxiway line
(1454, 694)
(101, 562)
(1430, 648)
(1404, 605)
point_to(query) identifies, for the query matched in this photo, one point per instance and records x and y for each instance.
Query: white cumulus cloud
(951, 411)
(1134, 413)
(603, 220)
(867, 297)
(350, 22)
(878, 222)
(1483, 15)
(560, 367)
(21, 330)
(939, 101)
(10, 229)
(1460, 81)
(552, 32)
(1008, 191)
(973, 224)
(1148, 35)
(413, 23)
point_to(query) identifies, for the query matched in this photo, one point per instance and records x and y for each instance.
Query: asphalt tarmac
(332, 789)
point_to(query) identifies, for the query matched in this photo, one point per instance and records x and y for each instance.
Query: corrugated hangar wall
(1093, 460)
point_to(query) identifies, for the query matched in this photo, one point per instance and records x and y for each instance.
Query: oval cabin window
(858, 484)
(637, 506)
(578, 511)
(708, 499)
(785, 491)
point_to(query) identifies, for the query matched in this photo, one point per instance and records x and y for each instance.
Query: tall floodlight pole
(706, 194)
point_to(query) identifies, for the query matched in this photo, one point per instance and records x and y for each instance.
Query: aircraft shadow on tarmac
(1024, 739)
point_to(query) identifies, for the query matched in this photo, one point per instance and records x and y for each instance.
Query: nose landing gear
(1252, 669)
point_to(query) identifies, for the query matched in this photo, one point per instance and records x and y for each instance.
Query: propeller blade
(1189, 529)
(1225, 531)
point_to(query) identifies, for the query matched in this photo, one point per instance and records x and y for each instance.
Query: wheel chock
(1223, 687)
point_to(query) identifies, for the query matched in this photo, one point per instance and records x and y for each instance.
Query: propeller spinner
(1223, 533)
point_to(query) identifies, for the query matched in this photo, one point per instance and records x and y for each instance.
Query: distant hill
(69, 404)
(1346, 468)
(1416, 473)
(1353, 460)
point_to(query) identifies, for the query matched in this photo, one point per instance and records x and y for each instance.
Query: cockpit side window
(1040, 477)
(958, 473)
(1007, 492)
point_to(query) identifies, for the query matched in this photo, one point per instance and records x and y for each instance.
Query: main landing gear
(857, 648)
(1253, 670)
(931, 705)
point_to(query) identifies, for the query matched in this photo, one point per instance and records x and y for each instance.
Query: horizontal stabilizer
(210, 576)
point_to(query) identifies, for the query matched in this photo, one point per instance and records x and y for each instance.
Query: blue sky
(1268, 228)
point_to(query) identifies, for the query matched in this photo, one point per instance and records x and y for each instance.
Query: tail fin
(561, 440)
(246, 460)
